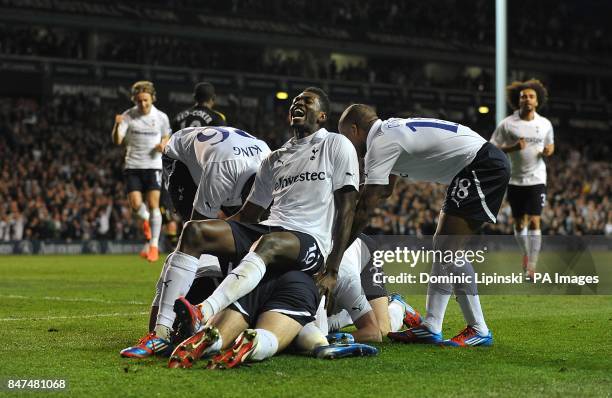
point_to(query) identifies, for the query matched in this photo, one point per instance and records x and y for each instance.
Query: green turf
(545, 345)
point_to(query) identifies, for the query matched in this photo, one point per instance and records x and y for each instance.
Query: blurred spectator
(56, 183)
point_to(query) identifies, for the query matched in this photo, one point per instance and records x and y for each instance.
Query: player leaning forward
(221, 163)
(527, 138)
(144, 130)
(443, 152)
(312, 183)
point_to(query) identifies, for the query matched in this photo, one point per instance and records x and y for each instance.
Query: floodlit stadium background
(66, 66)
(65, 71)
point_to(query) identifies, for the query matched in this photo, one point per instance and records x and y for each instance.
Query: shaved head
(355, 124)
(359, 114)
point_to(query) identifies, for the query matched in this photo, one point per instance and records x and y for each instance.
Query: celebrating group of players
(274, 240)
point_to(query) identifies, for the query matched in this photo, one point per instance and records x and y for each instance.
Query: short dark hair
(323, 98)
(203, 92)
(360, 114)
(513, 92)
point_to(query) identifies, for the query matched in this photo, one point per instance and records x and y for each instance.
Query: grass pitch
(67, 317)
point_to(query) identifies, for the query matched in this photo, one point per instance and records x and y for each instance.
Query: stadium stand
(61, 177)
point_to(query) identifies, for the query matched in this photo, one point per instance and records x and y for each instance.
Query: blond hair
(143, 86)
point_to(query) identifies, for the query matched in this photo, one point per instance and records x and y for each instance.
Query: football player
(222, 161)
(144, 131)
(527, 138)
(439, 151)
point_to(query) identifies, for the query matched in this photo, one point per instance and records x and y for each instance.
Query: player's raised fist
(521, 144)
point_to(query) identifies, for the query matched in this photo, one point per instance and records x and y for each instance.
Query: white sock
(142, 212)
(396, 315)
(339, 320)
(160, 282)
(535, 244)
(163, 332)
(176, 282)
(209, 266)
(438, 295)
(321, 320)
(521, 239)
(309, 338)
(240, 281)
(472, 313)
(156, 224)
(267, 344)
(467, 297)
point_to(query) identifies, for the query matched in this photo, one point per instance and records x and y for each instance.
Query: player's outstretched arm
(345, 200)
(369, 200)
(249, 213)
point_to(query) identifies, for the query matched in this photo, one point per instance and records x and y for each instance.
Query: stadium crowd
(549, 29)
(547, 26)
(61, 178)
(578, 203)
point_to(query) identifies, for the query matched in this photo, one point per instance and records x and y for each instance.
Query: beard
(309, 125)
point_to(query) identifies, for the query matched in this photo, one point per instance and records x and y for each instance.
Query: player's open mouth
(297, 113)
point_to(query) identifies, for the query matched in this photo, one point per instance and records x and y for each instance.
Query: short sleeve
(345, 163)
(261, 193)
(170, 148)
(498, 138)
(380, 159)
(215, 187)
(550, 138)
(124, 125)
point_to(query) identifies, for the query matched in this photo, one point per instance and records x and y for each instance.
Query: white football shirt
(142, 133)
(348, 291)
(301, 178)
(420, 149)
(220, 161)
(528, 167)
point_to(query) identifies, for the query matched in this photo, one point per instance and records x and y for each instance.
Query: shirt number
(224, 135)
(414, 125)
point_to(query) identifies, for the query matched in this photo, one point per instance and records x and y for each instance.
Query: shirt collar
(373, 130)
(322, 131)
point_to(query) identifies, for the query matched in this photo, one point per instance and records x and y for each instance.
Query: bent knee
(278, 248)
(193, 237)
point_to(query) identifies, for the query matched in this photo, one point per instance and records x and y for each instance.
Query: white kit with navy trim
(528, 167)
(300, 179)
(141, 133)
(420, 149)
(220, 160)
